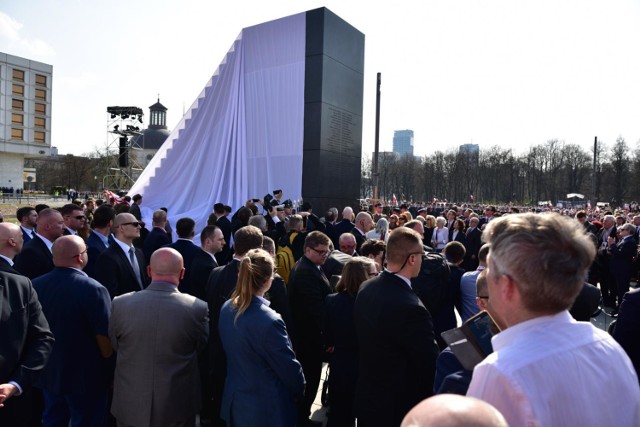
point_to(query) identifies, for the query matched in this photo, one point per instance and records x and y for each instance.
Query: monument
(282, 111)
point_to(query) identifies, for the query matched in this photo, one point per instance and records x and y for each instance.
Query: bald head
(166, 265)
(126, 227)
(69, 251)
(10, 239)
(452, 410)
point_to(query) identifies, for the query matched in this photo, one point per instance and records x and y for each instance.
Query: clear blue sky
(509, 72)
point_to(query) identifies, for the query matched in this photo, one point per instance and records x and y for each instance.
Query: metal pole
(377, 140)
(594, 181)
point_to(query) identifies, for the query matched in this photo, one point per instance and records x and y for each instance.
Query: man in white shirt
(546, 365)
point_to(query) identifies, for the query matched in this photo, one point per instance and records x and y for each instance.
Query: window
(39, 136)
(41, 108)
(41, 80)
(17, 89)
(40, 122)
(17, 104)
(41, 94)
(18, 75)
(17, 119)
(16, 133)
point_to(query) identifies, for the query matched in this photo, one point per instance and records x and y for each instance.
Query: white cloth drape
(243, 136)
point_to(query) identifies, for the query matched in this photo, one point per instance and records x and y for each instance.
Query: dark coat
(397, 351)
(35, 259)
(156, 239)
(201, 266)
(114, 271)
(627, 327)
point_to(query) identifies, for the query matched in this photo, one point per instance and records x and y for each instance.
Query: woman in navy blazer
(264, 379)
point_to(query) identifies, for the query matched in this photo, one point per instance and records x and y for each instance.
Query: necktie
(136, 267)
(33, 234)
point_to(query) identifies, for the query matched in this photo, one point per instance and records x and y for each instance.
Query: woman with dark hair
(264, 379)
(339, 334)
(458, 231)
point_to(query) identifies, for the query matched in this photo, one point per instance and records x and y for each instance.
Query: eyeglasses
(321, 253)
(85, 250)
(134, 223)
(79, 217)
(483, 296)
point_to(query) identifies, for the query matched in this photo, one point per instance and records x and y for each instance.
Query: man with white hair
(545, 365)
(364, 223)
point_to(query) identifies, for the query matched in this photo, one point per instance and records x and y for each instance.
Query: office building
(25, 116)
(403, 142)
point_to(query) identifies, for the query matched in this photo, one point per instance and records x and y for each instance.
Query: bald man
(157, 333)
(74, 382)
(452, 410)
(10, 246)
(35, 258)
(121, 268)
(25, 338)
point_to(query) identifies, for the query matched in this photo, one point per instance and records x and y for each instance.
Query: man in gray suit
(157, 333)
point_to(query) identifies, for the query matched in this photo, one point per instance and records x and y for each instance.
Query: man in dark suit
(221, 284)
(100, 237)
(186, 230)
(622, 254)
(28, 218)
(220, 220)
(134, 209)
(472, 244)
(364, 223)
(35, 258)
(344, 226)
(11, 243)
(627, 327)
(76, 379)
(605, 275)
(73, 217)
(121, 268)
(395, 336)
(212, 242)
(25, 338)
(158, 237)
(308, 287)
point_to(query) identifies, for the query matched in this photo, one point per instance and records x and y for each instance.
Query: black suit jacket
(201, 266)
(25, 338)
(188, 250)
(586, 303)
(156, 239)
(335, 263)
(398, 352)
(360, 239)
(344, 226)
(35, 259)
(5, 267)
(627, 327)
(277, 295)
(114, 271)
(95, 247)
(26, 237)
(225, 226)
(308, 287)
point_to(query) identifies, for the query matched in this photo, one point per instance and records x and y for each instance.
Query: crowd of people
(107, 321)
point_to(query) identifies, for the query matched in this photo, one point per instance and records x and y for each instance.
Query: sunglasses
(134, 223)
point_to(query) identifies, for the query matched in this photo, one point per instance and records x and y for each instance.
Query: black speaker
(123, 156)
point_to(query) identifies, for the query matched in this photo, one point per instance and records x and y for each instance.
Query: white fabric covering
(243, 136)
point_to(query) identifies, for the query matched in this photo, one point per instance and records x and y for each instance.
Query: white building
(25, 115)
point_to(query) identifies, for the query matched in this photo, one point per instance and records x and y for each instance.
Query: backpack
(284, 256)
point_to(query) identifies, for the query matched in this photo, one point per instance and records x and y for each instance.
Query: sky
(510, 73)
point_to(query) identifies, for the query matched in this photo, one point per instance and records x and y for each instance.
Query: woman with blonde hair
(264, 379)
(339, 334)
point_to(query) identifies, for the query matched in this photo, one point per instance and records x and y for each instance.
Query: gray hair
(562, 250)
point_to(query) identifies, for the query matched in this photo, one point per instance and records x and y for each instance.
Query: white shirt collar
(124, 246)
(46, 241)
(9, 260)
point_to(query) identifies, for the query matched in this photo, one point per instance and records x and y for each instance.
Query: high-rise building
(403, 142)
(470, 149)
(25, 116)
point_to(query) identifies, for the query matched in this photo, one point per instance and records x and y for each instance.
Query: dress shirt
(31, 232)
(9, 260)
(46, 241)
(543, 372)
(263, 300)
(72, 232)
